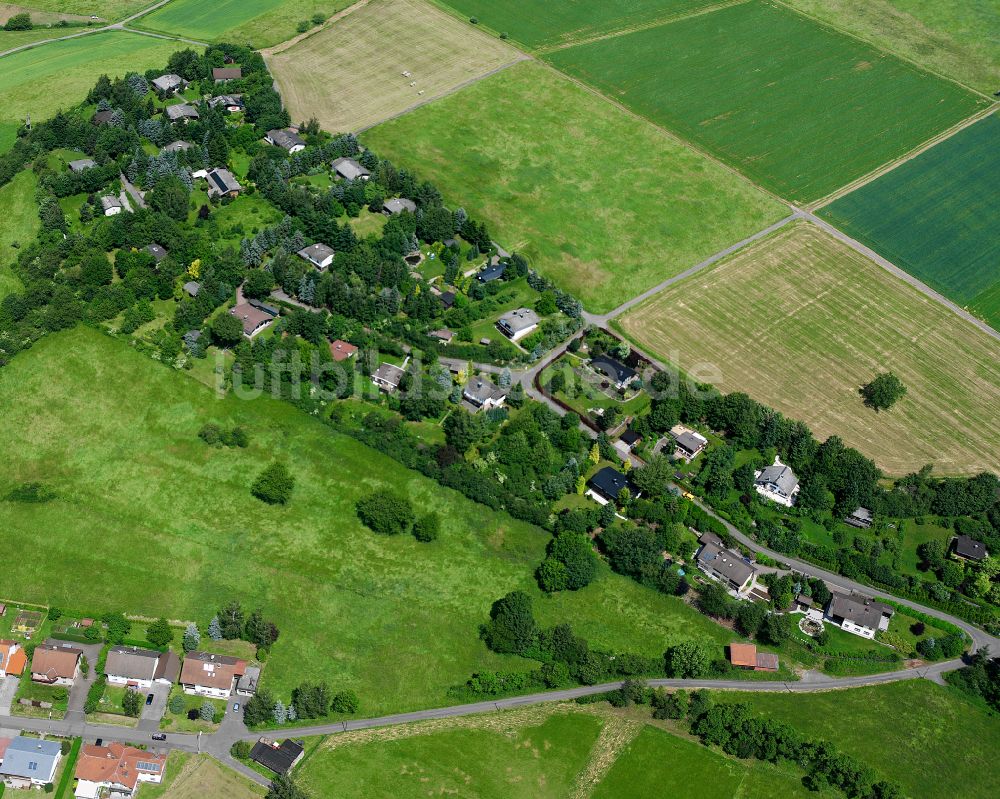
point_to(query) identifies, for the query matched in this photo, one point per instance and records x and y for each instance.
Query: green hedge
(65, 789)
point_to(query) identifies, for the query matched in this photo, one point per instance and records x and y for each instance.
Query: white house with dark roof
(319, 255)
(30, 762)
(349, 169)
(618, 373)
(388, 377)
(111, 205)
(82, 164)
(170, 83)
(518, 323)
(483, 394)
(725, 565)
(397, 205)
(221, 182)
(858, 614)
(182, 112)
(286, 139)
(777, 483)
(688, 444)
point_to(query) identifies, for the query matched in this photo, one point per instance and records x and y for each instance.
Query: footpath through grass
(603, 204)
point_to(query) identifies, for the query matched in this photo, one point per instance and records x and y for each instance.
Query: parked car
(149, 699)
(236, 707)
(159, 736)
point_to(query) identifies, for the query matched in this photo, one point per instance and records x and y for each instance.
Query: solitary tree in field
(883, 392)
(274, 485)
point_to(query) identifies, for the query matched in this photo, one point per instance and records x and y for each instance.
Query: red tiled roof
(743, 655)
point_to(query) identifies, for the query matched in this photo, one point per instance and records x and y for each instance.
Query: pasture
(105, 9)
(114, 435)
(18, 224)
(797, 107)
(800, 321)
(604, 222)
(956, 39)
(350, 74)
(44, 79)
(542, 23)
(936, 216)
(191, 776)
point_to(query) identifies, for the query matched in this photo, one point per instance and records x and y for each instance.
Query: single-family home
(170, 83)
(688, 444)
(858, 614)
(286, 139)
(349, 169)
(725, 565)
(443, 335)
(630, 439)
(231, 102)
(182, 112)
(319, 255)
(387, 377)
(620, 375)
(82, 164)
(111, 205)
(12, 659)
(746, 656)
(606, 486)
(254, 315)
(279, 758)
(342, 350)
(966, 548)
(483, 394)
(493, 271)
(115, 770)
(223, 74)
(208, 674)
(222, 183)
(140, 668)
(158, 252)
(176, 147)
(860, 517)
(55, 663)
(777, 483)
(247, 683)
(102, 118)
(397, 205)
(30, 762)
(447, 299)
(518, 323)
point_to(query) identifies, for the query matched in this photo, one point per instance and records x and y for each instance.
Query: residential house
(746, 656)
(319, 255)
(516, 324)
(247, 683)
(176, 147)
(182, 112)
(102, 118)
(111, 205)
(208, 674)
(858, 614)
(286, 139)
(620, 375)
(688, 444)
(777, 483)
(492, 272)
(191, 288)
(483, 394)
(349, 169)
(140, 668)
(231, 102)
(30, 762)
(82, 164)
(342, 350)
(606, 486)
(387, 377)
(630, 439)
(397, 205)
(724, 565)
(279, 758)
(12, 659)
(447, 299)
(222, 183)
(443, 335)
(55, 663)
(224, 74)
(158, 252)
(966, 548)
(170, 83)
(860, 517)
(115, 770)
(254, 315)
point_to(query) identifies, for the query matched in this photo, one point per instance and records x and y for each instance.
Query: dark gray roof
(491, 273)
(156, 251)
(630, 437)
(480, 390)
(690, 441)
(168, 82)
(861, 610)
(182, 111)
(102, 117)
(609, 482)
(176, 146)
(969, 547)
(615, 370)
(131, 662)
(248, 680)
(780, 475)
(349, 169)
(279, 760)
(316, 253)
(82, 164)
(725, 562)
(399, 204)
(389, 373)
(447, 298)
(513, 322)
(222, 181)
(263, 306)
(285, 138)
(226, 100)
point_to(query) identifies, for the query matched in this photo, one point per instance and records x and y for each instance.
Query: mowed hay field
(192, 776)
(602, 203)
(18, 224)
(44, 79)
(350, 75)
(957, 39)
(544, 23)
(799, 108)
(800, 321)
(105, 9)
(937, 217)
(148, 519)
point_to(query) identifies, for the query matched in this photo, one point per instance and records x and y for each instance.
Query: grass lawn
(105, 9)
(18, 224)
(936, 215)
(541, 23)
(58, 695)
(350, 75)
(929, 739)
(366, 223)
(956, 39)
(114, 434)
(913, 536)
(8, 135)
(191, 776)
(605, 225)
(799, 108)
(179, 722)
(44, 79)
(242, 218)
(847, 322)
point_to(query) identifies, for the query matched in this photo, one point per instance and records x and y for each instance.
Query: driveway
(8, 687)
(78, 693)
(151, 714)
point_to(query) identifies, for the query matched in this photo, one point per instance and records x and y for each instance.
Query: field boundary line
(280, 47)
(880, 48)
(889, 166)
(642, 26)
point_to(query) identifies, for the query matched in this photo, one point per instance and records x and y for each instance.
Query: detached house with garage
(285, 139)
(777, 483)
(319, 255)
(55, 664)
(30, 762)
(349, 169)
(620, 375)
(517, 324)
(726, 566)
(140, 668)
(859, 614)
(606, 486)
(208, 674)
(115, 771)
(483, 394)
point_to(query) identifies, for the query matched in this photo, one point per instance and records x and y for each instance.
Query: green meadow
(796, 106)
(114, 435)
(936, 216)
(105, 9)
(18, 225)
(528, 151)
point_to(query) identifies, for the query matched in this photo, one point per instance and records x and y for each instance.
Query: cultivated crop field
(799, 321)
(114, 435)
(350, 75)
(605, 222)
(797, 107)
(542, 23)
(937, 216)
